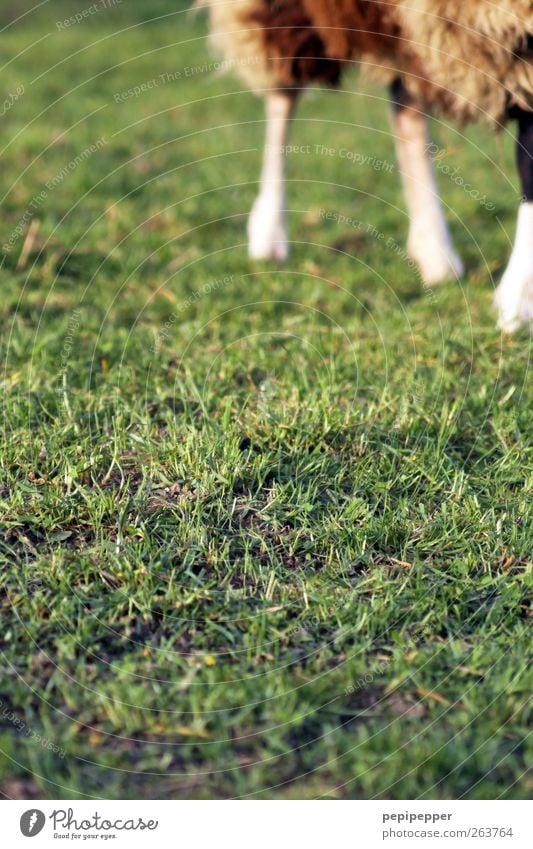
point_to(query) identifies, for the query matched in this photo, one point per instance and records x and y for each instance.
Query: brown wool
(469, 59)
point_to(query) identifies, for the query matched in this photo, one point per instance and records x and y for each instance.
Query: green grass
(274, 539)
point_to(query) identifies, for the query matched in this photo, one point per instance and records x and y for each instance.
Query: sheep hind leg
(267, 225)
(429, 242)
(514, 295)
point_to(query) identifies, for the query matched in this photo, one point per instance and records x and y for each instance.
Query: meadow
(264, 532)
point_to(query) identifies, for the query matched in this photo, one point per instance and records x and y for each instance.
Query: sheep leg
(267, 227)
(429, 242)
(514, 295)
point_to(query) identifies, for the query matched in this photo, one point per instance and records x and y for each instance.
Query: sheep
(466, 59)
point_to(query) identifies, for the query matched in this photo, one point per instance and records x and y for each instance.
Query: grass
(264, 532)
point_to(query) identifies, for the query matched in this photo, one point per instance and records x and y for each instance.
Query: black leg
(399, 96)
(514, 296)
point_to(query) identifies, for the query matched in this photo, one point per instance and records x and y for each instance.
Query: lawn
(264, 532)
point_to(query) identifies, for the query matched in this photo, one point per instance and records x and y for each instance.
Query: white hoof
(514, 299)
(437, 261)
(514, 296)
(267, 232)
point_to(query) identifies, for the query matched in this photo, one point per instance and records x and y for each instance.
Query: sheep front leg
(514, 295)
(267, 226)
(429, 242)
